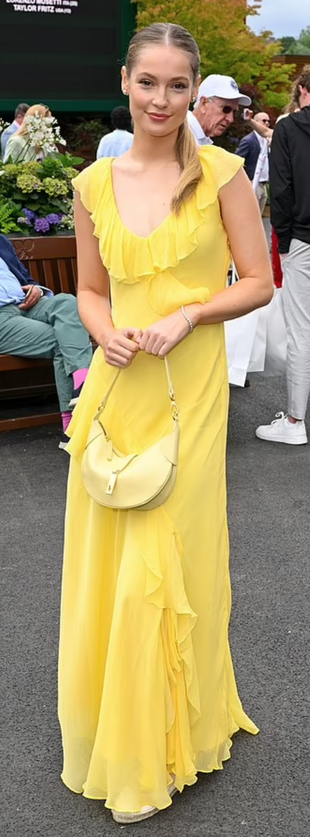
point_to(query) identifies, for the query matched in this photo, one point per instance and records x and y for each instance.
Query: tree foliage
(301, 46)
(286, 42)
(226, 43)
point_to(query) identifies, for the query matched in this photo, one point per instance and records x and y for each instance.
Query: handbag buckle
(174, 410)
(112, 481)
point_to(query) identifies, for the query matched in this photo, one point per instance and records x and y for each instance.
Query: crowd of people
(147, 693)
(217, 103)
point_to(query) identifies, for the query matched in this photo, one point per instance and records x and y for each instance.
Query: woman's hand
(161, 337)
(121, 345)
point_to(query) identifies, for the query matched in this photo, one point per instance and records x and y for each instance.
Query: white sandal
(144, 814)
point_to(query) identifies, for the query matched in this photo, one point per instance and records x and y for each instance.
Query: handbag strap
(174, 408)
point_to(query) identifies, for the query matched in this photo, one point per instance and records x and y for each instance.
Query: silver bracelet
(189, 322)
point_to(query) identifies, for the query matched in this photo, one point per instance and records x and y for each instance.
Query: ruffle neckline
(174, 240)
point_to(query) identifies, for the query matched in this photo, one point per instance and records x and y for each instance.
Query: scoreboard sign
(65, 53)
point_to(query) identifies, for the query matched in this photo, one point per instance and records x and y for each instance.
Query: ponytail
(186, 149)
(187, 157)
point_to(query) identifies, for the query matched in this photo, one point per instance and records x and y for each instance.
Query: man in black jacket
(290, 217)
(35, 323)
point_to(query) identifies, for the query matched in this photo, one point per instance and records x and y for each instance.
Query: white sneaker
(283, 430)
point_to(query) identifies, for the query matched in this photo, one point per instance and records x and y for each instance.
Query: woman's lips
(159, 117)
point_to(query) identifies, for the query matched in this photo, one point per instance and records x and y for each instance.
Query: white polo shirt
(196, 129)
(263, 160)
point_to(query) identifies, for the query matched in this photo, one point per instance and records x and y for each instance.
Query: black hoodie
(290, 179)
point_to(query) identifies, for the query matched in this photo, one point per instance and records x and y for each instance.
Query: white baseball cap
(225, 87)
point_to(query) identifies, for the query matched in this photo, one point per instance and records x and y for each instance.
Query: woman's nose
(160, 98)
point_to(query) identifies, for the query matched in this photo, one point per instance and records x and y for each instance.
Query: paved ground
(264, 790)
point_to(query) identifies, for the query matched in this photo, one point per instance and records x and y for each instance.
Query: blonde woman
(147, 695)
(19, 148)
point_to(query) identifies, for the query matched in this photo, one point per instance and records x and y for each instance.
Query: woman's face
(160, 89)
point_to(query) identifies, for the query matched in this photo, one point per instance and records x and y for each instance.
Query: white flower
(3, 125)
(44, 133)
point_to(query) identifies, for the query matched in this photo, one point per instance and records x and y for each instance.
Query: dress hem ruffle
(218, 764)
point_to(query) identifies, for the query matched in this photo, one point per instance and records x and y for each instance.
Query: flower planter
(14, 237)
(37, 197)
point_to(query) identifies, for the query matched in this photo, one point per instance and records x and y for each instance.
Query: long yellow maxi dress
(146, 682)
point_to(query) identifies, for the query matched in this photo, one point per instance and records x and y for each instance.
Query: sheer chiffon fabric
(146, 682)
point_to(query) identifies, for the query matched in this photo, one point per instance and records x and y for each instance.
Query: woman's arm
(248, 244)
(243, 224)
(93, 294)
(261, 129)
(93, 280)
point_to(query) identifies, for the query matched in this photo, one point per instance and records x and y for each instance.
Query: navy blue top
(8, 254)
(249, 149)
(9, 292)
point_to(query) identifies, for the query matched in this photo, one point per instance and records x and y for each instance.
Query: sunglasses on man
(229, 109)
(225, 108)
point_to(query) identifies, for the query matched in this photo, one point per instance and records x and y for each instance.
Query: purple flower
(52, 218)
(29, 214)
(41, 225)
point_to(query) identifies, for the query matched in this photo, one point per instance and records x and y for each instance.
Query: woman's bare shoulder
(124, 163)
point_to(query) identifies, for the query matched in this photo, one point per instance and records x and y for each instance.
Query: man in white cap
(217, 104)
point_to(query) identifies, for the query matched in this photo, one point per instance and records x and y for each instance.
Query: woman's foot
(144, 814)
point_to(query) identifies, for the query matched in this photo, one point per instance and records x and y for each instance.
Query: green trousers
(51, 329)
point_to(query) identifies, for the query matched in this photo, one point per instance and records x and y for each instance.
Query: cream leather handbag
(139, 481)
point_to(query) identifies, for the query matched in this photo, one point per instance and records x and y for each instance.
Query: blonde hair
(34, 110)
(186, 148)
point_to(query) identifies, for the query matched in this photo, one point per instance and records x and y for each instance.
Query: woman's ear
(195, 89)
(124, 84)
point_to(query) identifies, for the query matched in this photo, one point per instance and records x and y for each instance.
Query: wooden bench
(52, 263)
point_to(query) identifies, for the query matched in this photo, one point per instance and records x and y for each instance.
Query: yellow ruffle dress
(146, 683)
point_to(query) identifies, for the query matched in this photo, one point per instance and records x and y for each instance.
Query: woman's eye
(146, 82)
(179, 85)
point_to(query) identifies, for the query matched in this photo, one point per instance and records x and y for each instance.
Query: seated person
(35, 323)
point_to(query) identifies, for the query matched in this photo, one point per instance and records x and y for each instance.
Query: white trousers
(296, 306)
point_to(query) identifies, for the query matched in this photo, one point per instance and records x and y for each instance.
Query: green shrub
(37, 197)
